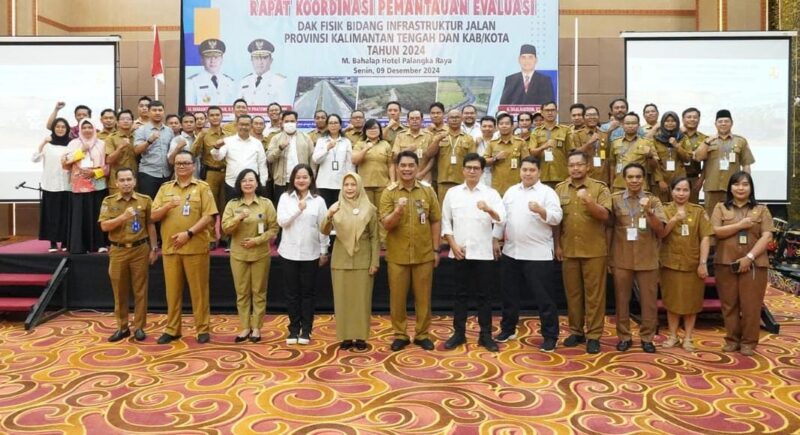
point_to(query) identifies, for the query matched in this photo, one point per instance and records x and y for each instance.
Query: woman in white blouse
(333, 153)
(303, 248)
(55, 206)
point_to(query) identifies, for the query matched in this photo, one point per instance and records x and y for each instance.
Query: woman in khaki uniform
(252, 222)
(743, 228)
(684, 254)
(373, 157)
(355, 261)
(671, 146)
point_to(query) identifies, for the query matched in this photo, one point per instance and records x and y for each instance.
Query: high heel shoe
(241, 338)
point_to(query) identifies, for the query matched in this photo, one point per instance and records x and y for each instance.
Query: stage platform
(89, 287)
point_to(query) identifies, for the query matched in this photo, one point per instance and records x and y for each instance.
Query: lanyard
(452, 146)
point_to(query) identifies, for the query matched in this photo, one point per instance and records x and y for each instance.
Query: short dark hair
(519, 116)
(106, 111)
(587, 108)
(549, 103)
(274, 103)
(123, 169)
(537, 115)
(372, 122)
(156, 103)
(244, 116)
(503, 116)
(145, 98)
(436, 104)
(468, 106)
(677, 180)
(633, 165)
(188, 115)
(317, 112)
(649, 105)
(124, 111)
(393, 102)
(490, 119)
(210, 108)
(530, 159)
(471, 157)
(407, 153)
(615, 100)
(185, 152)
(286, 113)
(580, 153)
(690, 110)
(312, 188)
(172, 115)
(412, 111)
(578, 106)
(82, 107)
(634, 114)
(735, 178)
(239, 100)
(237, 186)
(328, 120)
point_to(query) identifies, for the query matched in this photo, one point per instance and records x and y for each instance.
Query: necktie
(214, 81)
(258, 81)
(527, 82)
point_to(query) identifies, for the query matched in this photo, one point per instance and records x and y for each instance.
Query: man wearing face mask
(286, 150)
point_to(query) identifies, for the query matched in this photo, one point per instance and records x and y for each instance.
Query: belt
(130, 245)
(209, 168)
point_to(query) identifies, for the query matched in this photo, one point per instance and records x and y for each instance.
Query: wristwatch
(190, 233)
(751, 256)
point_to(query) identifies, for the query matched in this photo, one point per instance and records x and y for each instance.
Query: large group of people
(506, 196)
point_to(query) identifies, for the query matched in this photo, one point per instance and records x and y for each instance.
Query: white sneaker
(103, 249)
(304, 338)
(292, 339)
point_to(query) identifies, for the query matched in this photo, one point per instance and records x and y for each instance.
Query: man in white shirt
(468, 212)
(488, 132)
(468, 117)
(532, 209)
(241, 152)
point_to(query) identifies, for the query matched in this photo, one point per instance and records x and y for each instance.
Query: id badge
(685, 230)
(186, 209)
(732, 157)
(742, 237)
(548, 156)
(335, 165)
(453, 159)
(632, 234)
(597, 162)
(642, 223)
(423, 218)
(513, 163)
(724, 165)
(419, 153)
(602, 154)
(671, 165)
(261, 228)
(136, 225)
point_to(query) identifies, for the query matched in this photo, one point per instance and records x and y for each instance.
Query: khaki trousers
(441, 190)
(648, 297)
(585, 287)
(741, 295)
(374, 196)
(250, 280)
(128, 269)
(193, 269)
(420, 278)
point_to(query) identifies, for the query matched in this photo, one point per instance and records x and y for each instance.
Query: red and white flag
(157, 70)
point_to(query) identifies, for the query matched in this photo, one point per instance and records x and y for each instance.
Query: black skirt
(54, 215)
(85, 234)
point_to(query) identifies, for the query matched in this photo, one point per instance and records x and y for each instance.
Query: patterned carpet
(64, 377)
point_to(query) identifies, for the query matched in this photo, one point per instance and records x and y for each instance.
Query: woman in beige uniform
(684, 254)
(252, 222)
(373, 157)
(743, 228)
(355, 261)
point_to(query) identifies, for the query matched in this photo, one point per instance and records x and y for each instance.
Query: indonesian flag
(157, 70)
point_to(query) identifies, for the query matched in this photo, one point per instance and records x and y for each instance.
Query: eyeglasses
(184, 163)
(472, 168)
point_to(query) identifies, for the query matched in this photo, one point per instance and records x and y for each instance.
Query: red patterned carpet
(65, 378)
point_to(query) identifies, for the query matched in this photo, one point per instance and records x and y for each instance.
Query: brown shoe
(730, 347)
(747, 350)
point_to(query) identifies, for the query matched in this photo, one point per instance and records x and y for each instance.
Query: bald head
(454, 119)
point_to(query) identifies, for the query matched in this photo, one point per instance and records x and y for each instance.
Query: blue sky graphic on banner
(339, 55)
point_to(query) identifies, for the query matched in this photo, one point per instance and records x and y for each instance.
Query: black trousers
(538, 277)
(329, 195)
(301, 281)
(149, 185)
(473, 277)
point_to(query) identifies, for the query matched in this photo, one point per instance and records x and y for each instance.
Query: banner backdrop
(338, 55)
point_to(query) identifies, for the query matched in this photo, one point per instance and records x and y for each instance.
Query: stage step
(25, 279)
(17, 304)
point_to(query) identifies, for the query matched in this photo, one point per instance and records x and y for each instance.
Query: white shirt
(200, 89)
(527, 236)
(474, 131)
(471, 227)
(302, 239)
(54, 177)
(271, 88)
(481, 145)
(240, 154)
(291, 155)
(341, 153)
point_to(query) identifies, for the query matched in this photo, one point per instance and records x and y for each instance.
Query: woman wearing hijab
(54, 207)
(354, 262)
(673, 154)
(85, 159)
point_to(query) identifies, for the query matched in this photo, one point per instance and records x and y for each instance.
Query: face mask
(290, 127)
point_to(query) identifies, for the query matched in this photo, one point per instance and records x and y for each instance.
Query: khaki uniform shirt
(679, 155)
(374, 168)
(411, 242)
(729, 249)
(103, 135)
(127, 158)
(354, 136)
(432, 129)
(368, 254)
(197, 195)
(693, 169)
(642, 253)
(406, 141)
(720, 149)
(314, 135)
(600, 153)
(452, 150)
(204, 143)
(505, 173)
(230, 129)
(625, 152)
(260, 226)
(679, 251)
(115, 205)
(554, 170)
(390, 134)
(582, 236)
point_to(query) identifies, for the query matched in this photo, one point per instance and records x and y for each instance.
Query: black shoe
(624, 345)
(425, 343)
(487, 342)
(255, 338)
(456, 340)
(399, 344)
(203, 338)
(361, 345)
(593, 346)
(139, 335)
(574, 340)
(504, 336)
(548, 345)
(119, 335)
(347, 344)
(648, 347)
(239, 338)
(166, 338)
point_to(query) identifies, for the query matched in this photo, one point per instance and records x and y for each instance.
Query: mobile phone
(735, 267)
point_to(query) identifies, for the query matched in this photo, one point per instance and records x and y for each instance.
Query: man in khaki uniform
(109, 120)
(213, 171)
(353, 129)
(436, 113)
(450, 149)
(119, 149)
(411, 214)
(722, 155)
(394, 127)
(504, 155)
(694, 172)
(581, 246)
(551, 143)
(417, 140)
(632, 148)
(638, 221)
(594, 143)
(125, 216)
(185, 207)
(320, 126)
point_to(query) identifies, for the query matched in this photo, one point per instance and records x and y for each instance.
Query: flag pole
(155, 80)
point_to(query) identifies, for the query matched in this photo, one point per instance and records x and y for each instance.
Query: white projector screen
(35, 73)
(748, 75)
